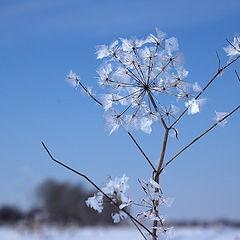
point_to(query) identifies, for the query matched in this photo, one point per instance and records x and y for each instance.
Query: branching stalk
(200, 136)
(99, 189)
(140, 149)
(220, 71)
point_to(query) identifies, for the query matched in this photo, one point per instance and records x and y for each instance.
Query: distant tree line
(59, 203)
(63, 203)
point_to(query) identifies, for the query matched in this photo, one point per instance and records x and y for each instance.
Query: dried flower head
(141, 75)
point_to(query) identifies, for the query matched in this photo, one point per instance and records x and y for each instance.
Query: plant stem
(219, 72)
(200, 136)
(99, 189)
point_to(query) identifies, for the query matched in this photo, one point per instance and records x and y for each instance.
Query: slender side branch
(129, 134)
(90, 95)
(237, 75)
(99, 189)
(138, 228)
(220, 70)
(140, 149)
(200, 136)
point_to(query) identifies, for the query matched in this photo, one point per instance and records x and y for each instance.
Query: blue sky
(42, 40)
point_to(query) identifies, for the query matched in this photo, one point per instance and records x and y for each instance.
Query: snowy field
(20, 233)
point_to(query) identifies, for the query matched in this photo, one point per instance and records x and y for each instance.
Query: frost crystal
(96, 202)
(218, 118)
(233, 48)
(116, 190)
(140, 75)
(73, 79)
(194, 105)
(153, 193)
(117, 217)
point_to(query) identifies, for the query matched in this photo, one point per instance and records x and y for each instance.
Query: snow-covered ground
(20, 233)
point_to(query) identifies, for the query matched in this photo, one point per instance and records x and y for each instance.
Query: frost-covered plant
(144, 81)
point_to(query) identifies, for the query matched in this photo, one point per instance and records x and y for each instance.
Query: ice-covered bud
(113, 122)
(169, 111)
(171, 45)
(116, 186)
(73, 79)
(156, 39)
(130, 45)
(233, 48)
(145, 124)
(193, 106)
(117, 217)
(196, 87)
(219, 116)
(153, 184)
(109, 99)
(106, 51)
(95, 202)
(181, 73)
(105, 74)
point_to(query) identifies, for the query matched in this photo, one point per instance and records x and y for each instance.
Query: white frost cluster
(233, 49)
(73, 79)
(153, 193)
(116, 190)
(141, 75)
(219, 116)
(193, 105)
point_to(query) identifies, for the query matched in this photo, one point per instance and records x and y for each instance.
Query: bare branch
(141, 232)
(219, 61)
(90, 95)
(233, 46)
(200, 136)
(237, 75)
(140, 149)
(99, 189)
(129, 134)
(220, 70)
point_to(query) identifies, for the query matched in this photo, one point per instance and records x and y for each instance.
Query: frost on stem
(73, 79)
(233, 49)
(219, 116)
(153, 193)
(116, 190)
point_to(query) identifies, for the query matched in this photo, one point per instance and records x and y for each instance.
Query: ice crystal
(95, 202)
(219, 116)
(140, 75)
(115, 189)
(73, 79)
(233, 49)
(153, 193)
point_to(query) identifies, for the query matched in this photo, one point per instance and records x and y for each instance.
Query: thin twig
(200, 136)
(219, 61)
(237, 75)
(140, 149)
(90, 95)
(233, 45)
(141, 232)
(129, 134)
(206, 86)
(99, 189)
